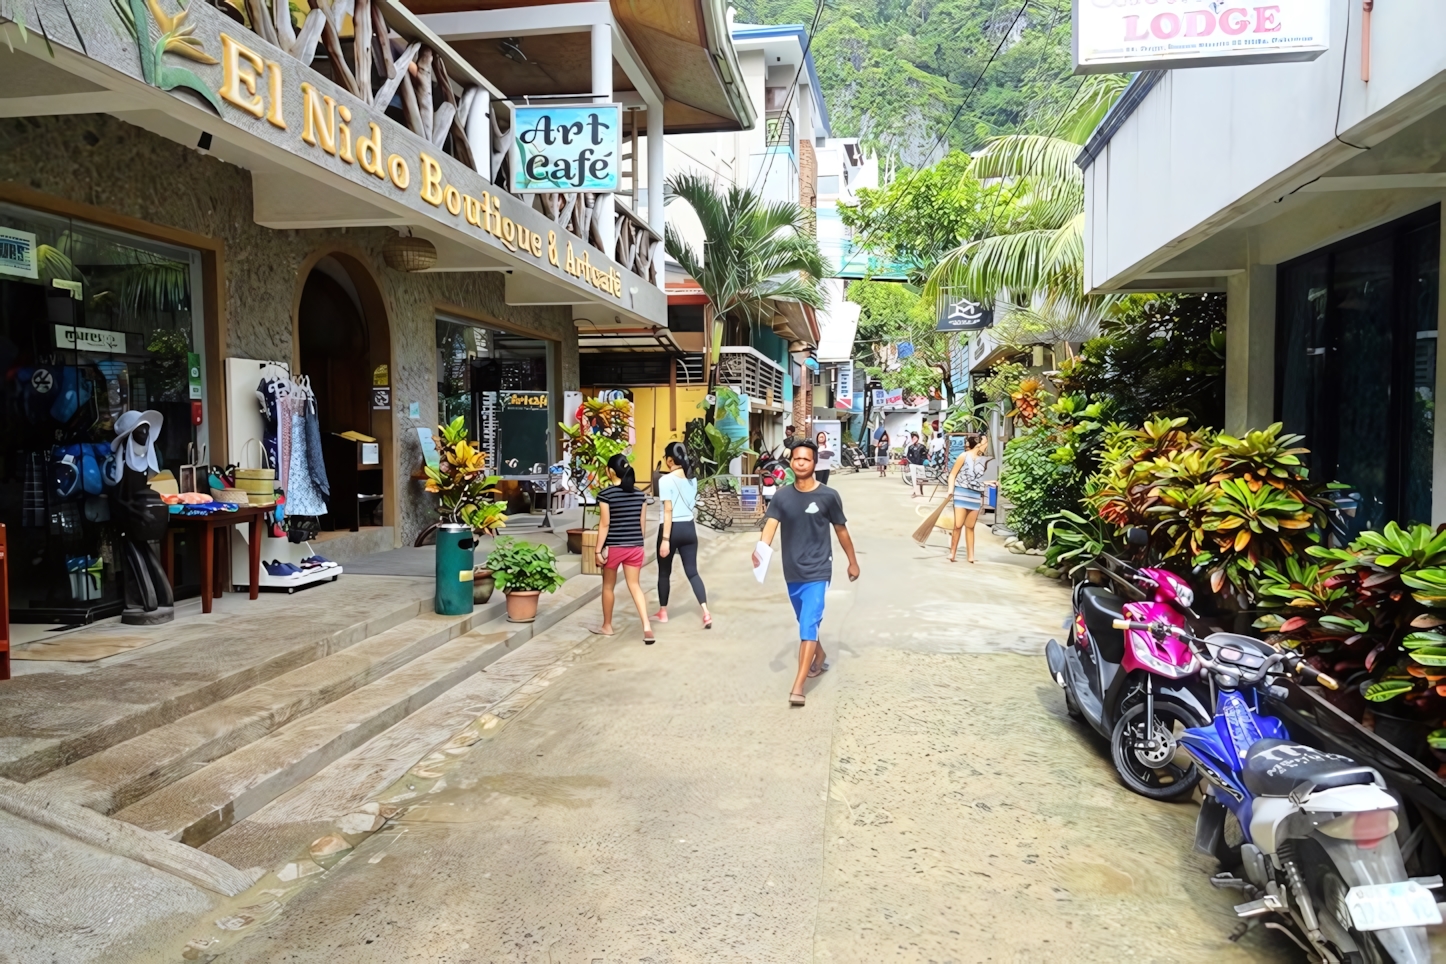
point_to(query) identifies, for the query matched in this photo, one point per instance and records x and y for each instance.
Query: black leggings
(684, 544)
(822, 475)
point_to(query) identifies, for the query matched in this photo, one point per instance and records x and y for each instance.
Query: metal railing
(752, 373)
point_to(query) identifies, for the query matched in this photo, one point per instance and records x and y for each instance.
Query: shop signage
(879, 398)
(258, 89)
(17, 253)
(894, 397)
(381, 398)
(845, 387)
(961, 314)
(193, 373)
(1119, 35)
(90, 339)
(565, 148)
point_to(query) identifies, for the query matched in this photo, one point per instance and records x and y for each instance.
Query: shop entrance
(343, 348)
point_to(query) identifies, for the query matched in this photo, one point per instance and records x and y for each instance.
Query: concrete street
(664, 804)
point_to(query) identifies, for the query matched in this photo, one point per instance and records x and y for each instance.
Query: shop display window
(93, 322)
(499, 383)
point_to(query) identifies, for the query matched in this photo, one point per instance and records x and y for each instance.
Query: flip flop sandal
(648, 638)
(795, 699)
(599, 632)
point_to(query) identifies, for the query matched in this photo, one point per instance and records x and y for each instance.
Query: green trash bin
(455, 546)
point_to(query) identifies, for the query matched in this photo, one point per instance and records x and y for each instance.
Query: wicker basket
(233, 496)
(589, 554)
(409, 254)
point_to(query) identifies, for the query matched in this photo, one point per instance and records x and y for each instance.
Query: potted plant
(600, 433)
(466, 494)
(523, 571)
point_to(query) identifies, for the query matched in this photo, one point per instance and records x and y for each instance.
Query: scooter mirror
(1137, 536)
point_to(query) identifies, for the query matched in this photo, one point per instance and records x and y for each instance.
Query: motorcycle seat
(1101, 608)
(1274, 768)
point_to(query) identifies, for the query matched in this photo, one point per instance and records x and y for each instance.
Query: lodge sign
(1119, 35)
(961, 314)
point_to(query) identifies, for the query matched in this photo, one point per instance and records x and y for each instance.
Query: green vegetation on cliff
(894, 71)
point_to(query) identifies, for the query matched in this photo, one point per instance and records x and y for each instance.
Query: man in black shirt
(917, 454)
(807, 509)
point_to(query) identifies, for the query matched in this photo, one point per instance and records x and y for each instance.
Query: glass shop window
(93, 322)
(499, 383)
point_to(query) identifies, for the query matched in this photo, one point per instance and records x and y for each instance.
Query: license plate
(1403, 904)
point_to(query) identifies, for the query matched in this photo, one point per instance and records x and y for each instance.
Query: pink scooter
(1137, 690)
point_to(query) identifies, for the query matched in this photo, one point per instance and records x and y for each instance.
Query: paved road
(664, 804)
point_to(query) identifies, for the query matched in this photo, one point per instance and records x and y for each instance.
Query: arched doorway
(343, 346)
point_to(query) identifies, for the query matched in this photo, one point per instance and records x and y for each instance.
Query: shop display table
(211, 573)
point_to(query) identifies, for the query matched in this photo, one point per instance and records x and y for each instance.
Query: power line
(944, 132)
(765, 168)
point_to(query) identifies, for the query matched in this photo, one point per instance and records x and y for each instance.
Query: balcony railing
(390, 57)
(752, 373)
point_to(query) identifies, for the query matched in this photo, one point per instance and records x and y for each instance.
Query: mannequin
(142, 518)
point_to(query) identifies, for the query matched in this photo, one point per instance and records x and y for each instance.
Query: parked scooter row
(1308, 837)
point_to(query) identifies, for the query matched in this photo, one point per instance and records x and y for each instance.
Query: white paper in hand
(764, 552)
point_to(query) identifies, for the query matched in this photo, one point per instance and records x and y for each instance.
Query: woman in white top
(825, 458)
(678, 535)
(966, 481)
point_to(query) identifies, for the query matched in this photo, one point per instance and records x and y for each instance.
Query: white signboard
(17, 253)
(845, 387)
(90, 339)
(1120, 35)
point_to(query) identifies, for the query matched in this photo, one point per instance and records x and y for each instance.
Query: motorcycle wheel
(1332, 899)
(1160, 778)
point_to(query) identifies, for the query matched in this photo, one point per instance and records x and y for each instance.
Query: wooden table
(212, 573)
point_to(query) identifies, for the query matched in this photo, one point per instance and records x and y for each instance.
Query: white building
(1310, 193)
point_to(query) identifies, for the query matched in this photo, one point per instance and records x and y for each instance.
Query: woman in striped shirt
(620, 542)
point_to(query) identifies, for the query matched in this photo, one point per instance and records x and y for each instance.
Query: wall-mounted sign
(566, 148)
(844, 390)
(894, 396)
(17, 253)
(1111, 36)
(381, 398)
(193, 374)
(879, 397)
(90, 339)
(961, 314)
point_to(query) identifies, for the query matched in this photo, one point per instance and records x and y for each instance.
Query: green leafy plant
(1075, 541)
(523, 566)
(465, 492)
(600, 433)
(1037, 485)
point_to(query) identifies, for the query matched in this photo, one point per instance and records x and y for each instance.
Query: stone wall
(98, 160)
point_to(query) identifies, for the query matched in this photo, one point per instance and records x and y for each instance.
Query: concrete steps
(226, 762)
(119, 776)
(198, 807)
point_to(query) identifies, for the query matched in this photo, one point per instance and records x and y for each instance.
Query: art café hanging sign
(565, 149)
(1120, 35)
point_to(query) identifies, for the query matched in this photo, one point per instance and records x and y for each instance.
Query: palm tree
(755, 252)
(1033, 245)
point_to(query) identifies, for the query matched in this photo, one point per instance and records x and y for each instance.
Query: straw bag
(258, 483)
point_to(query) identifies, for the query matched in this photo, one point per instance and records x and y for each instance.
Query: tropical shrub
(523, 566)
(1212, 503)
(465, 492)
(1038, 485)
(600, 433)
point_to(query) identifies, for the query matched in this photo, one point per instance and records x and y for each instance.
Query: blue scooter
(1313, 834)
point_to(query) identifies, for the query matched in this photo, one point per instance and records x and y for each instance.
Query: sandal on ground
(659, 617)
(820, 671)
(707, 622)
(648, 638)
(795, 699)
(599, 632)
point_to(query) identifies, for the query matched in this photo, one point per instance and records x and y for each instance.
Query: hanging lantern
(409, 253)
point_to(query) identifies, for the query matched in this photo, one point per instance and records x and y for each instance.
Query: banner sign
(961, 314)
(17, 253)
(845, 387)
(1112, 36)
(879, 397)
(894, 397)
(566, 148)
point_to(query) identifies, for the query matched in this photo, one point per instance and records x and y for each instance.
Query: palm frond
(1028, 155)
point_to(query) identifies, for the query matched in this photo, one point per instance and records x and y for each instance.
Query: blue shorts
(807, 599)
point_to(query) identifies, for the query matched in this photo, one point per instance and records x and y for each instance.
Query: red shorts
(616, 556)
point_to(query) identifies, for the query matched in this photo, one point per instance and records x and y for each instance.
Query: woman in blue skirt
(966, 481)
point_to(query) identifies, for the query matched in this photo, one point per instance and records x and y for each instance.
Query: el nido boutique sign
(1120, 35)
(566, 148)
